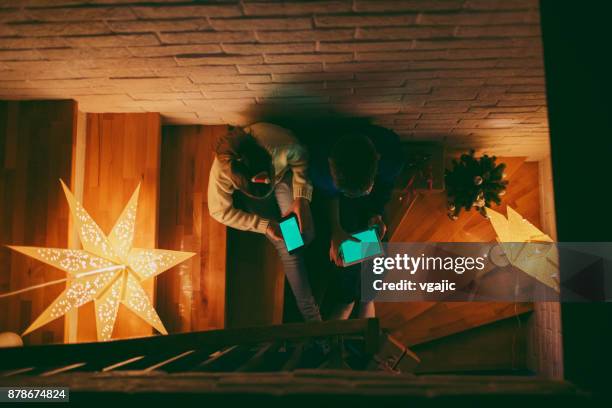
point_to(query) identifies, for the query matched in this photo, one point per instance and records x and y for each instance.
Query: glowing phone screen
(369, 246)
(291, 233)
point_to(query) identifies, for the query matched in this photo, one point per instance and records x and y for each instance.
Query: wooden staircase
(481, 329)
(272, 365)
(227, 350)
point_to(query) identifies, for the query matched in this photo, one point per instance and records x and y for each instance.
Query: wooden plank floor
(122, 151)
(191, 296)
(36, 139)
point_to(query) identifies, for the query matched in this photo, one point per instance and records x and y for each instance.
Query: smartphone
(369, 246)
(292, 236)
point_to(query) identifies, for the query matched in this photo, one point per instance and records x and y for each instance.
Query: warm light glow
(107, 271)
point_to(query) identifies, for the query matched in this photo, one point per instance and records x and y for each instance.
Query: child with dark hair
(264, 165)
(353, 163)
(356, 171)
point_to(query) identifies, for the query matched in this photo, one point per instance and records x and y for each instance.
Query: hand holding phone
(368, 246)
(301, 208)
(338, 237)
(377, 222)
(273, 231)
(290, 230)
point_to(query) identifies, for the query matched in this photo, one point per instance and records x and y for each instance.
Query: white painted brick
(60, 29)
(264, 24)
(279, 68)
(32, 43)
(478, 19)
(112, 40)
(80, 13)
(466, 72)
(315, 77)
(532, 30)
(501, 4)
(305, 35)
(230, 79)
(407, 5)
(20, 55)
(220, 60)
(365, 20)
(140, 26)
(247, 49)
(113, 63)
(164, 96)
(225, 87)
(407, 33)
(296, 8)
(196, 71)
(169, 50)
(179, 11)
(207, 37)
(309, 58)
(71, 54)
(365, 46)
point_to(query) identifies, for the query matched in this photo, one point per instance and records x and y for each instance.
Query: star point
(526, 247)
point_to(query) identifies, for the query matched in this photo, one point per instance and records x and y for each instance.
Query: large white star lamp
(108, 270)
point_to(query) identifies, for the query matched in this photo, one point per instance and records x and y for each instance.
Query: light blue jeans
(293, 264)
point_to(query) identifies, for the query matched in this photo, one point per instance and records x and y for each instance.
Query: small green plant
(474, 182)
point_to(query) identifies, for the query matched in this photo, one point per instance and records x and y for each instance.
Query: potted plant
(474, 182)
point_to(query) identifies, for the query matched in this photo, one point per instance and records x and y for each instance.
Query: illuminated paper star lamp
(107, 271)
(519, 240)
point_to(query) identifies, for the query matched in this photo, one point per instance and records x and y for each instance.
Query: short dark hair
(354, 163)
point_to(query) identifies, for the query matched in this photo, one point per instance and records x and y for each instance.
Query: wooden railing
(248, 348)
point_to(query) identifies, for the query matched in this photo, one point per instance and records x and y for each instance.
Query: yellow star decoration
(519, 240)
(108, 270)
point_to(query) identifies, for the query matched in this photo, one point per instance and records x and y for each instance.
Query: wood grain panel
(499, 346)
(255, 281)
(446, 318)
(36, 143)
(236, 279)
(426, 221)
(122, 150)
(190, 296)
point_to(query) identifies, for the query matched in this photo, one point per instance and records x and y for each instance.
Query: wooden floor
(426, 221)
(420, 323)
(191, 296)
(36, 140)
(251, 289)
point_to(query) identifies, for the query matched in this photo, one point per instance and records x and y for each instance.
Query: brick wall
(465, 71)
(544, 344)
